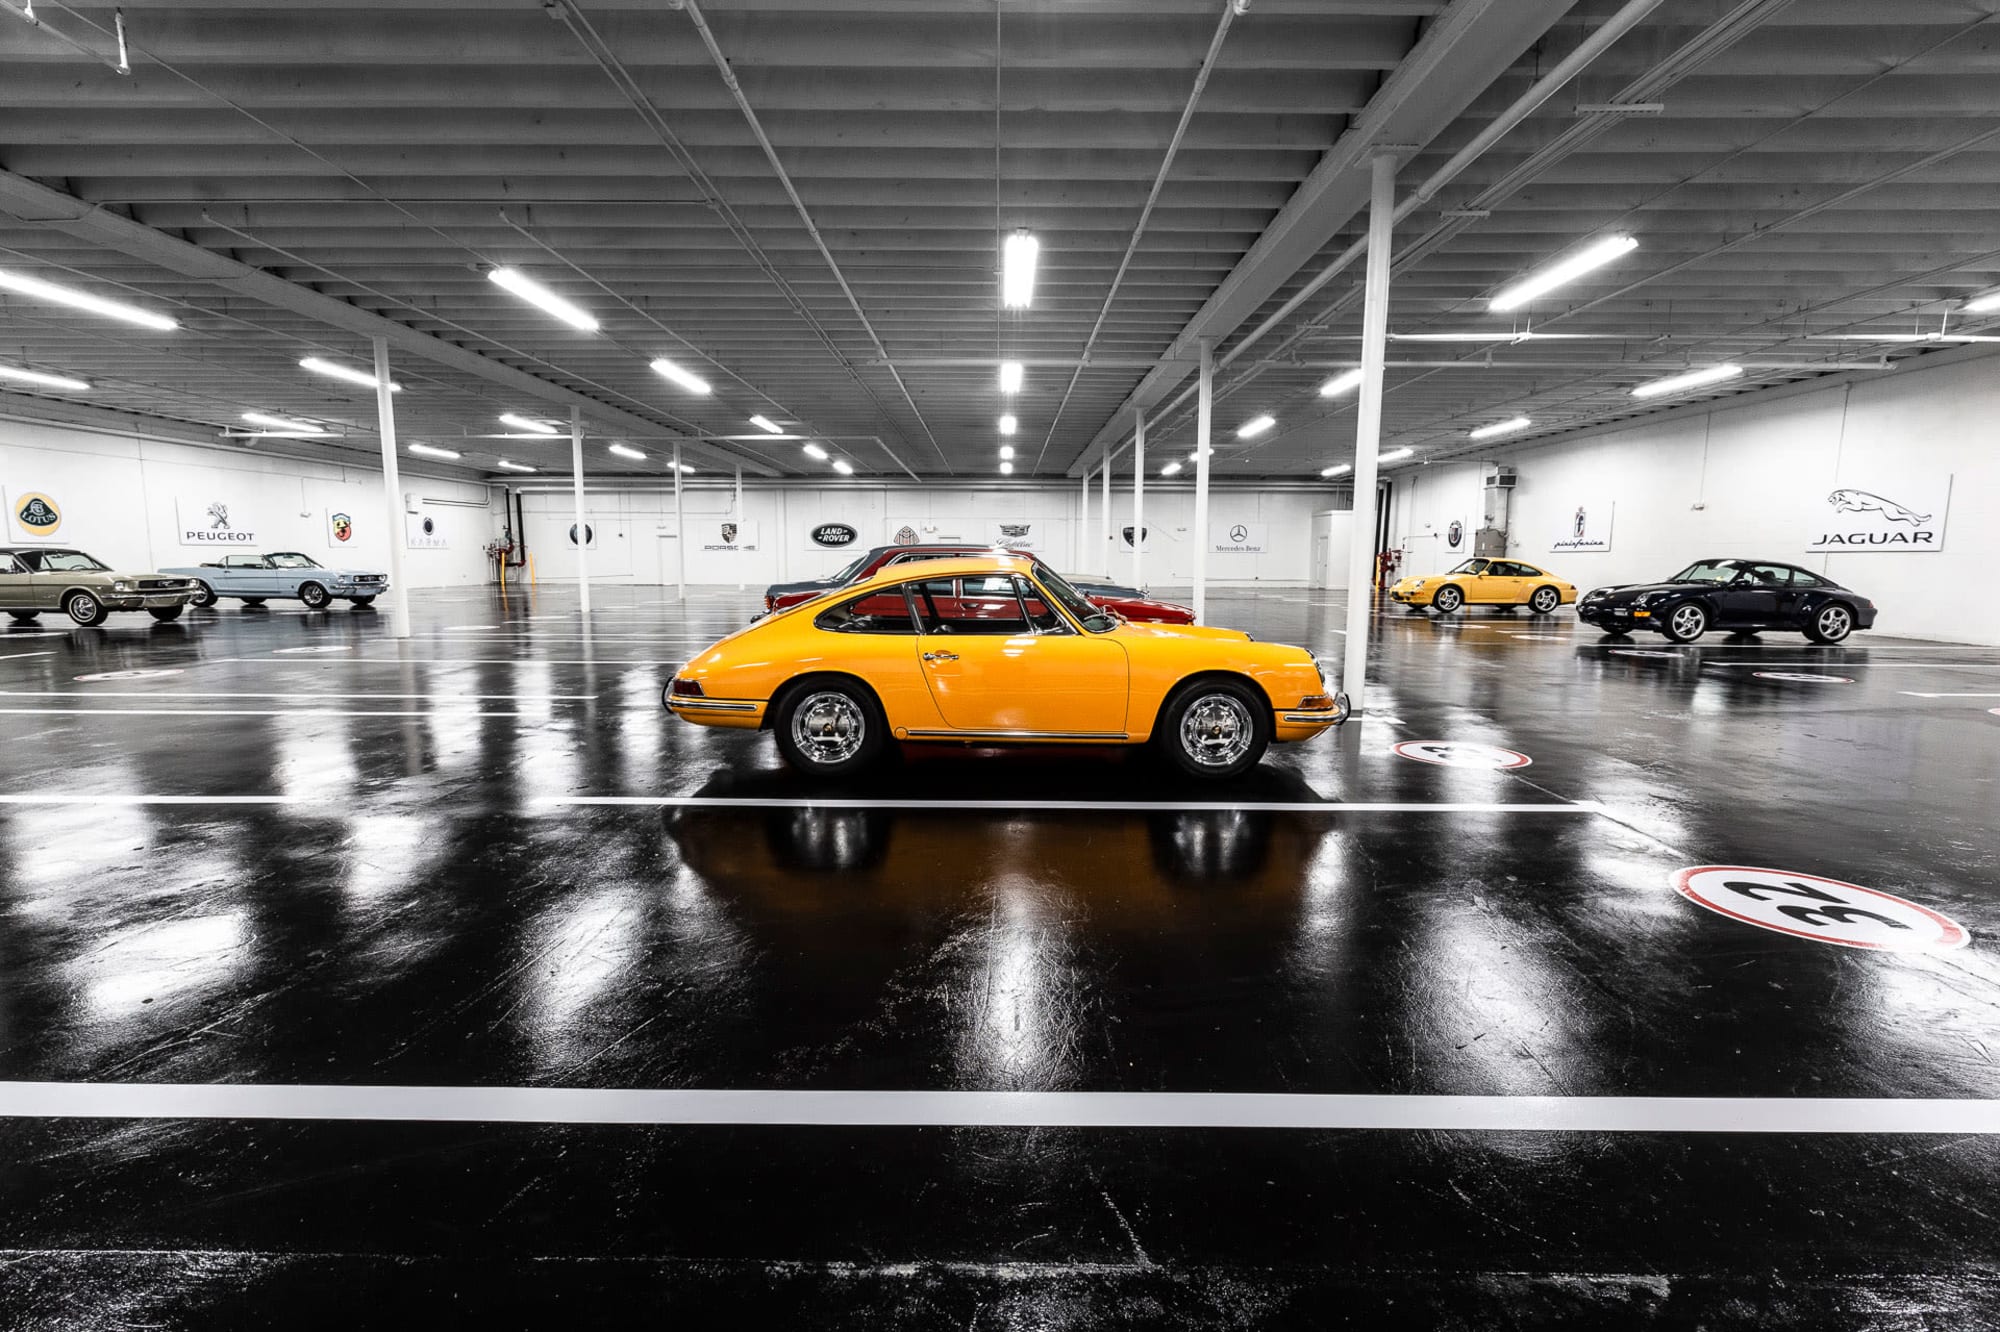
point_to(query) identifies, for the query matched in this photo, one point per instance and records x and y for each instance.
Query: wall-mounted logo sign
(141, 673)
(1126, 535)
(1461, 754)
(1589, 528)
(834, 535)
(37, 515)
(905, 536)
(589, 534)
(339, 528)
(1014, 536)
(211, 522)
(1239, 538)
(1870, 520)
(424, 531)
(1454, 536)
(1803, 678)
(734, 537)
(1806, 906)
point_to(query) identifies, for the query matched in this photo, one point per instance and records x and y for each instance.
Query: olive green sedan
(34, 579)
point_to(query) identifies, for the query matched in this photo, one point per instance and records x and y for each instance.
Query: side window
(1800, 578)
(1042, 617)
(983, 604)
(1771, 575)
(882, 611)
(12, 566)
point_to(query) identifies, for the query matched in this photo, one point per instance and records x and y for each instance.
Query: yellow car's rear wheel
(1545, 600)
(829, 726)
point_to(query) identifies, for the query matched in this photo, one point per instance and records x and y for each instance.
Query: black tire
(1447, 599)
(1544, 600)
(362, 603)
(829, 726)
(165, 614)
(1215, 728)
(253, 601)
(204, 596)
(315, 595)
(1685, 622)
(26, 617)
(1831, 623)
(85, 609)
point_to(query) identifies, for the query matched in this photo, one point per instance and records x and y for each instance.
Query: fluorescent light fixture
(1007, 452)
(1008, 425)
(1455, 337)
(1198, 454)
(1341, 383)
(1255, 426)
(1017, 271)
(767, 425)
(336, 370)
(270, 422)
(1507, 427)
(816, 453)
(431, 451)
(1170, 469)
(534, 293)
(1983, 302)
(844, 467)
(531, 426)
(37, 290)
(1397, 455)
(27, 376)
(1336, 469)
(1713, 374)
(627, 451)
(1565, 270)
(685, 468)
(693, 383)
(1010, 376)
(1006, 469)
(506, 466)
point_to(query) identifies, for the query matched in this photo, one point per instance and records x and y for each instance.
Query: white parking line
(450, 661)
(170, 694)
(1001, 1109)
(1911, 693)
(1118, 806)
(13, 656)
(58, 798)
(252, 712)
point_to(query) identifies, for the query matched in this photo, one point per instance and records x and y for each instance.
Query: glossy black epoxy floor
(409, 901)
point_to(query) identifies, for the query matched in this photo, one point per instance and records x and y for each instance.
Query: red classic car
(1129, 602)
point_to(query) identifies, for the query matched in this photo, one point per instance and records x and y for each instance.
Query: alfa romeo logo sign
(1460, 754)
(1807, 906)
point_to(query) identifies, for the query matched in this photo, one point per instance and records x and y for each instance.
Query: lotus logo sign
(1865, 521)
(834, 535)
(37, 515)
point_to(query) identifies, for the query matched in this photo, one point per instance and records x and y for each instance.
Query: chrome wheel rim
(1216, 730)
(1448, 599)
(828, 728)
(1545, 600)
(1688, 621)
(1834, 622)
(314, 595)
(82, 607)
(204, 595)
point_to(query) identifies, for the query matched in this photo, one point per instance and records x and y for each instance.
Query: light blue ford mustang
(285, 574)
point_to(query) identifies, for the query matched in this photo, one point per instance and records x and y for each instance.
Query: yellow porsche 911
(1484, 582)
(996, 649)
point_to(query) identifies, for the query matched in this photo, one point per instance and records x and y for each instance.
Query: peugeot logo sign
(834, 534)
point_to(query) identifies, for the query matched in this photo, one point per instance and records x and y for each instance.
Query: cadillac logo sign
(834, 535)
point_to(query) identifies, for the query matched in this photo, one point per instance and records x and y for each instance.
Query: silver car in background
(283, 574)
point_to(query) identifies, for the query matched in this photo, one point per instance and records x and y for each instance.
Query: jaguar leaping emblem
(1862, 501)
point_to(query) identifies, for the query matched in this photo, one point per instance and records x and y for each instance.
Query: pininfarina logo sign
(207, 522)
(1867, 520)
(1582, 523)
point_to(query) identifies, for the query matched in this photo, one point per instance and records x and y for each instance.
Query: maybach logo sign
(1865, 520)
(210, 523)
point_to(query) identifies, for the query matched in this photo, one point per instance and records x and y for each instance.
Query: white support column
(680, 533)
(1368, 430)
(1139, 499)
(582, 526)
(1104, 546)
(741, 525)
(392, 495)
(1083, 528)
(1204, 421)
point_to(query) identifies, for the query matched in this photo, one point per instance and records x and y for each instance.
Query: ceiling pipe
(728, 75)
(27, 15)
(1230, 10)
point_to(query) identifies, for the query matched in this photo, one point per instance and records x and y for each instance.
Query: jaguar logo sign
(37, 514)
(1865, 521)
(834, 535)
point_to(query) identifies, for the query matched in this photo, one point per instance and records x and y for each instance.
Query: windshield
(1073, 601)
(1471, 567)
(62, 561)
(289, 559)
(1707, 571)
(848, 574)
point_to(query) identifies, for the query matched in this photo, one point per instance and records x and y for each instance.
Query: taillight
(686, 688)
(770, 603)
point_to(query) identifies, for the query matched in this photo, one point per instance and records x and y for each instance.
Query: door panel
(1070, 684)
(16, 589)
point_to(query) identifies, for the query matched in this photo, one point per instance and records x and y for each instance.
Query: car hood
(1147, 629)
(1619, 596)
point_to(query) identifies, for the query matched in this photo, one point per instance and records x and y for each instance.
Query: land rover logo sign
(1454, 534)
(1459, 754)
(1802, 677)
(37, 514)
(1807, 906)
(834, 535)
(139, 674)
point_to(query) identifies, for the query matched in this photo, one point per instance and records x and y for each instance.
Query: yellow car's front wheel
(1214, 728)
(1544, 601)
(1447, 599)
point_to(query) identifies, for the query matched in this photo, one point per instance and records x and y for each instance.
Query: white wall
(633, 529)
(1752, 480)
(120, 497)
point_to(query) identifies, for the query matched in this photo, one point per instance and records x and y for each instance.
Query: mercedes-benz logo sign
(1239, 534)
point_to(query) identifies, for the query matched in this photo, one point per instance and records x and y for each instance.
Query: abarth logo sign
(343, 527)
(37, 515)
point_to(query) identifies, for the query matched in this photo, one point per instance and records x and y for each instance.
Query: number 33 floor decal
(1826, 910)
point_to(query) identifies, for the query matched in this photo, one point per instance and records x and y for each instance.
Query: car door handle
(940, 656)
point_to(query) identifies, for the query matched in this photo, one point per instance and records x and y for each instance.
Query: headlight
(120, 586)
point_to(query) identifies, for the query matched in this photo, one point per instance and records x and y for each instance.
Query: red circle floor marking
(1461, 754)
(1808, 906)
